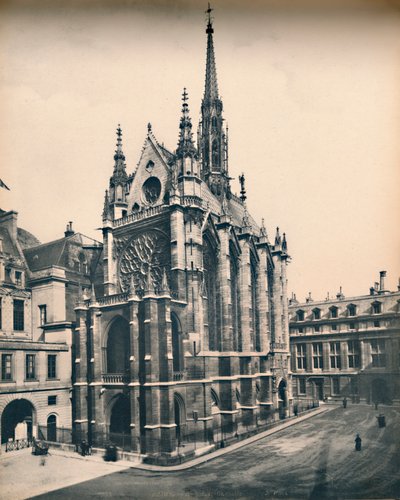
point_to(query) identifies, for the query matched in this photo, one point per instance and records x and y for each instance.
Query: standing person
(344, 402)
(358, 442)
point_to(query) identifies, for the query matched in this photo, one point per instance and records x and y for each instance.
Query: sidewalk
(204, 457)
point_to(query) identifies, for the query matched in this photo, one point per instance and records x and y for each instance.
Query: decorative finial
(164, 283)
(242, 188)
(263, 230)
(149, 127)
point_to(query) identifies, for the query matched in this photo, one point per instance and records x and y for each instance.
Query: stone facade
(39, 286)
(188, 339)
(347, 347)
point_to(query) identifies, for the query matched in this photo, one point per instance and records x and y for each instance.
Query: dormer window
(376, 307)
(18, 278)
(300, 315)
(317, 313)
(333, 312)
(351, 309)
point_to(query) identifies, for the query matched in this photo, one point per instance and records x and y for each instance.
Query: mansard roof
(58, 252)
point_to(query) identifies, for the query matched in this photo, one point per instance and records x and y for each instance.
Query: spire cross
(208, 11)
(185, 95)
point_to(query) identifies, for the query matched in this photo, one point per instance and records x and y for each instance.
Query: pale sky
(311, 96)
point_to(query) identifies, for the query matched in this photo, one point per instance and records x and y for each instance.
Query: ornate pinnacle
(284, 242)
(263, 230)
(149, 285)
(277, 237)
(185, 143)
(164, 283)
(106, 208)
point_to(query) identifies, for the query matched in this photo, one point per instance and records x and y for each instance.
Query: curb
(208, 457)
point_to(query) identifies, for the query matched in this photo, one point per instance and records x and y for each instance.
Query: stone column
(245, 284)
(326, 356)
(80, 392)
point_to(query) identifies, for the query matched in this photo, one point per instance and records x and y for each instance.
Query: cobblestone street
(314, 459)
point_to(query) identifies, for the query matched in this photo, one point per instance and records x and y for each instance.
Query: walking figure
(345, 402)
(358, 442)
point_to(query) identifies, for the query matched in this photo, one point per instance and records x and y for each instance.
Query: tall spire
(212, 138)
(185, 143)
(211, 86)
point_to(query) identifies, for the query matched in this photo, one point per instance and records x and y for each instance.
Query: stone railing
(192, 200)
(178, 376)
(143, 214)
(114, 378)
(277, 346)
(113, 299)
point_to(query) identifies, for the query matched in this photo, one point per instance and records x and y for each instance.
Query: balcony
(114, 378)
(178, 376)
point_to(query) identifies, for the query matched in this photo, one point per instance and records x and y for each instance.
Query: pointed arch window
(255, 320)
(235, 300)
(212, 295)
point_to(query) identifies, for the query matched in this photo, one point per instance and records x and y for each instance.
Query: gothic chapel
(185, 344)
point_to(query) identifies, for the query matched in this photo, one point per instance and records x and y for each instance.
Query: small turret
(278, 239)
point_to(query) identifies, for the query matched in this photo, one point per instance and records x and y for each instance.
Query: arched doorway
(52, 428)
(17, 412)
(283, 399)
(380, 392)
(118, 347)
(120, 417)
(177, 347)
(180, 418)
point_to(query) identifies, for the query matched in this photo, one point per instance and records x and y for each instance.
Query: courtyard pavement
(314, 459)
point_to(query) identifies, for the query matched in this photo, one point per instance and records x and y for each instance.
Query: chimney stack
(68, 230)
(382, 276)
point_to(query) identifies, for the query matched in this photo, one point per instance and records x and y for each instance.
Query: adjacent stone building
(347, 347)
(39, 286)
(188, 338)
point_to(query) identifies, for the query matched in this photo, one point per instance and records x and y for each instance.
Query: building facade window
(302, 385)
(317, 328)
(300, 315)
(353, 353)
(51, 400)
(377, 323)
(334, 327)
(18, 278)
(18, 315)
(333, 312)
(335, 355)
(378, 353)
(42, 315)
(1, 313)
(30, 367)
(376, 308)
(52, 366)
(318, 362)
(351, 309)
(301, 356)
(317, 313)
(6, 367)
